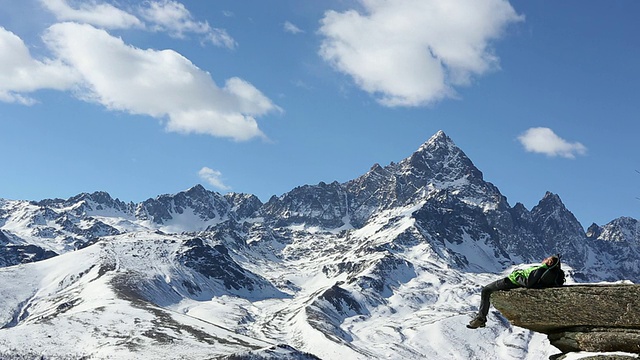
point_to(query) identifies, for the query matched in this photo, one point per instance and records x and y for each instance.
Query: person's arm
(535, 275)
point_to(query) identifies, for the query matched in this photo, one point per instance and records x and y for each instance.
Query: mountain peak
(551, 199)
(439, 134)
(439, 139)
(440, 159)
(196, 190)
(562, 231)
(551, 204)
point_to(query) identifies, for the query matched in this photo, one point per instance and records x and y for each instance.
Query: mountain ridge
(438, 174)
(323, 268)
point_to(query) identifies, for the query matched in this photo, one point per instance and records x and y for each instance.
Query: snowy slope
(126, 297)
(88, 303)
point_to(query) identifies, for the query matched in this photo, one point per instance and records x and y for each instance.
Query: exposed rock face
(599, 318)
(606, 339)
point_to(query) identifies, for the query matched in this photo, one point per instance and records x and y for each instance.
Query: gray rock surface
(595, 318)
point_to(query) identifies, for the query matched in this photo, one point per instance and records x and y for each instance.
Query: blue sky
(146, 98)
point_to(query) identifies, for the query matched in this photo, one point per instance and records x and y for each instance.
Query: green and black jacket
(528, 277)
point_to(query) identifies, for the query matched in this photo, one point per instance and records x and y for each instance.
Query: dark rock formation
(595, 318)
(280, 351)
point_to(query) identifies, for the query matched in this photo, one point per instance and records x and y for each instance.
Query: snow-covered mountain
(388, 265)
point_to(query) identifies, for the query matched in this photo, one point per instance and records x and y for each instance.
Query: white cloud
(543, 140)
(167, 16)
(291, 28)
(101, 68)
(174, 18)
(415, 51)
(20, 73)
(162, 84)
(220, 37)
(91, 12)
(213, 178)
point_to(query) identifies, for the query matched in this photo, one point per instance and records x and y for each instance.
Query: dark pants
(485, 296)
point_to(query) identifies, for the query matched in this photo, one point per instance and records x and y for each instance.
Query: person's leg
(485, 300)
(485, 297)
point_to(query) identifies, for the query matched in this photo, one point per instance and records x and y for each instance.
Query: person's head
(551, 260)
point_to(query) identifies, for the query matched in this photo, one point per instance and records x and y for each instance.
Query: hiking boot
(477, 322)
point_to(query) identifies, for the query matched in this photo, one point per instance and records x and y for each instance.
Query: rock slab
(596, 318)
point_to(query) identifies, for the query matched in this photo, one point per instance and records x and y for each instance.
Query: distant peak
(519, 207)
(439, 139)
(440, 158)
(97, 196)
(440, 144)
(549, 196)
(551, 201)
(439, 134)
(196, 190)
(197, 187)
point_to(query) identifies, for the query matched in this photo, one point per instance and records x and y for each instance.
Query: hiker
(547, 274)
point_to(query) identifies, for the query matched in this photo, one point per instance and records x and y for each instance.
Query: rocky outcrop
(594, 318)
